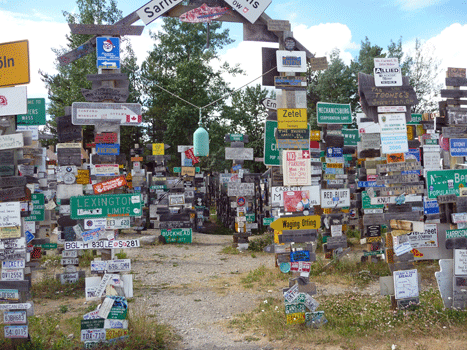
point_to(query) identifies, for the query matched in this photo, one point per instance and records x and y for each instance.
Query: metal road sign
(251, 10)
(108, 52)
(35, 114)
(84, 113)
(102, 206)
(155, 8)
(13, 100)
(333, 113)
(14, 63)
(311, 222)
(271, 152)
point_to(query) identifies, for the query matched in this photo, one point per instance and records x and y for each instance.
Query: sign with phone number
(126, 243)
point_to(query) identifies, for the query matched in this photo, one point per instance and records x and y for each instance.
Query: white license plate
(16, 331)
(12, 275)
(14, 317)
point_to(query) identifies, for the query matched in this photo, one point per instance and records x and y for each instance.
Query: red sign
(109, 185)
(190, 155)
(134, 119)
(106, 137)
(203, 14)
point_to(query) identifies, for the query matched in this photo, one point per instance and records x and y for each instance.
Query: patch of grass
(86, 258)
(257, 244)
(63, 309)
(263, 277)
(51, 288)
(221, 230)
(230, 250)
(121, 255)
(353, 317)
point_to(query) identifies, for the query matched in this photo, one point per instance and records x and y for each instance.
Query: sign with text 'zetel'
(292, 118)
(333, 113)
(102, 206)
(84, 113)
(13, 100)
(14, 63)
(250, 9)
(154, 9)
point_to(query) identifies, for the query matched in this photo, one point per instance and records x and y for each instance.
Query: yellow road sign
(310, 222)
(14, 63)
(292, 118)
(157, 149)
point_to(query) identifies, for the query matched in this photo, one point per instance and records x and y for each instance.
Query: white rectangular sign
(10, 214)
(460, 262)
(14, 100)
(14, 317)
(250, 9)
(424, 239)
(154, 9)
(335, 198)
(237, 153)
(16, 331)
(12, 275)
(406, 284)
(297, 168)
(121, 265)
(11, 141)
(126, 243)
(291, 61)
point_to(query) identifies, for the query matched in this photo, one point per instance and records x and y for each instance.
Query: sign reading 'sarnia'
(102, 206)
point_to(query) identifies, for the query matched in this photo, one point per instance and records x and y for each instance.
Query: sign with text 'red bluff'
(296, 168)
(102, 206)
(14, 63)
(333, 113)
(310, 222)
(250, 9)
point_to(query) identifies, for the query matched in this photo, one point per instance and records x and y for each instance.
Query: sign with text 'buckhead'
(102, 206)
(250, 9)
(333, 113)
(14, 63)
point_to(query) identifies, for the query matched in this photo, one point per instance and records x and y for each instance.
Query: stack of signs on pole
(14, 195)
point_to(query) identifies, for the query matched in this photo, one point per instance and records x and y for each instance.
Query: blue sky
(319, 25)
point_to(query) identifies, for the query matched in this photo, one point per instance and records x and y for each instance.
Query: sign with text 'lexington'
(102, 206)
(333, 113)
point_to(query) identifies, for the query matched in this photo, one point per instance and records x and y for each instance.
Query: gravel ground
(194, 288)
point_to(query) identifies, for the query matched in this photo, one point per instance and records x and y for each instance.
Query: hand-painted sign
(10, 214)
(101, 206)
(14, 63)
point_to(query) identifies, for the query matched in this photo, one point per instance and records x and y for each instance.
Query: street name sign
(155, 8)
(101, 206)
(249, 9)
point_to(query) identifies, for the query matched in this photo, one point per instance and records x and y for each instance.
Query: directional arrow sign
(84, 113)
(310, 222)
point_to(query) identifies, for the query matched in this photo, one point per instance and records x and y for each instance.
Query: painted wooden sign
(105, 30)
(297, 168)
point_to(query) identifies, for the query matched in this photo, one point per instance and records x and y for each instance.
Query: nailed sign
(102, 206)
(333, 113)
(84, 113)
(310, 222)
(237, 153)
(14, 63)
(292, 118)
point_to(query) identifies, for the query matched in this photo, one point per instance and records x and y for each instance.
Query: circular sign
(290, 43)
(284, 267)
(69, 178)
(241, 201)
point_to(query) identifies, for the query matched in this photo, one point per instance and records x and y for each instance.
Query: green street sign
(333, 113)
(36, 113)
(158, 187)
(366, 202)
(456, 233)
(268, 221)
(351, 137)
(102, 206)
(431, 141)
(197, 169)
(236, 137)
(441, 182)
(177, 170)
(250, 217)
(376, 252)
(271, 152)
(38, 210)
(415, 119)
(47, 246)
(177, 235)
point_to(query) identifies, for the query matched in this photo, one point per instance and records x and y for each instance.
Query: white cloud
(412, 5)
(42, 36)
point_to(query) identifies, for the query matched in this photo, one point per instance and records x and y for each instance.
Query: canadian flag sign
(190, 155)
(108, 185)
(134, 118)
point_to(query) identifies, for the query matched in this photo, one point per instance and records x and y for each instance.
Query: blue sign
(458, 147)
(187, 162)
(368, 184)
(236, 167)
(111, 149)
(413, 153)
(108, 52)
(411, 172)
(29, 236)
(300, 255)
(334, 152)
(430, 207)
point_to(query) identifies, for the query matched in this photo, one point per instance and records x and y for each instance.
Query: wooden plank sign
(105, 30)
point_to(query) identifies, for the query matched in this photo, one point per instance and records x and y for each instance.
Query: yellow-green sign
(157, 149)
